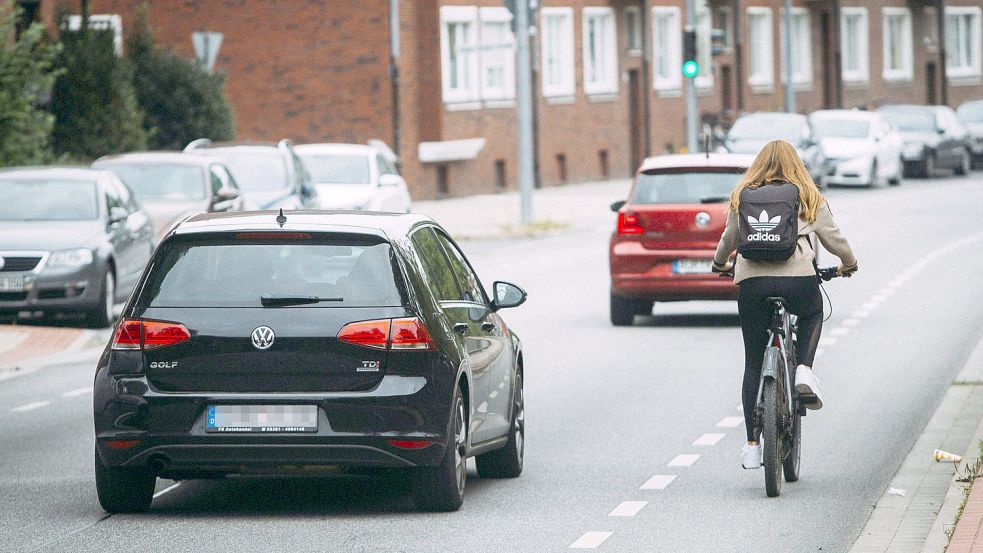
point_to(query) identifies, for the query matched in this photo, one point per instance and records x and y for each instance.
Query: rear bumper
(646, 274)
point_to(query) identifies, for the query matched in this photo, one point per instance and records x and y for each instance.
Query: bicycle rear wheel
(794, 455)
(771, 437)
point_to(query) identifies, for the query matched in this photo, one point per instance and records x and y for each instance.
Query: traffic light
(691, 68)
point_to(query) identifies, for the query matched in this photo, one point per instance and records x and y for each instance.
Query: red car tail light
(370, 334)
(410, 444)
(135, 334)
(410, 334)
(628, 223)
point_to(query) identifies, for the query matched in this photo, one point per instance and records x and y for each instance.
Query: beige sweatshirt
(800, 264)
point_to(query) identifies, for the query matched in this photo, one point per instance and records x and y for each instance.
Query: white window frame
(634, 26)
(466, 15)
(801, 48)
(862, 73)
(564, 47)
(975, 32)
(725, 22)
(608, 83)
(704, 47)
(766, 77)
(487, 51)
(103, 21)
(906, 56)
(673, 79)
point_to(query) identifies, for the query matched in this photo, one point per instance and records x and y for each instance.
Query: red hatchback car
(668, 230)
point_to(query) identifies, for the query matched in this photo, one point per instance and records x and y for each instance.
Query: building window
(930, 29)
(761, 57)
(102, 22)
(704, 54)
(633, 30)
(497, 54)
(600, 51)
(897, 44)
(962, 41)
(558, 59)
(666, 48)
(458, 50)
(801, 47)
(725, 22)
(854, 47)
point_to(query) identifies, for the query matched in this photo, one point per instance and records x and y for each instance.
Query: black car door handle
(461, 328)
(488, 326)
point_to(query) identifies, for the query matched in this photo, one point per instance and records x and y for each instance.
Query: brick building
(607, 78)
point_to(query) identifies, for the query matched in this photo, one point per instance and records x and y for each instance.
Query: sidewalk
(968, 533)
(556, 210)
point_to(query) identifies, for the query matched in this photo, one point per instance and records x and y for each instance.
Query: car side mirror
(117, 215)
(389, 179)
(226, 193)
(940, 130)
(507, 295)
(616, 206)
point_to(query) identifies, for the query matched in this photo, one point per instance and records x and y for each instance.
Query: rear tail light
(410, 444)
(389, 334)
(138, 335)
(628, 223)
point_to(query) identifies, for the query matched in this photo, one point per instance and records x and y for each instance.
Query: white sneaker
(806, 384)
(751, 456)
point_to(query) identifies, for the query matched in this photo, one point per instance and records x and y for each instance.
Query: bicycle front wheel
(771, 437)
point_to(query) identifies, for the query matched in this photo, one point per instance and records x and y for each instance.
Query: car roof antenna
(281, 219)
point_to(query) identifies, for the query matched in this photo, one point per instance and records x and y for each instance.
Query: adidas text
(764, 237)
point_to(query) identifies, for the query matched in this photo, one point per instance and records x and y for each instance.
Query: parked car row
(667, 229)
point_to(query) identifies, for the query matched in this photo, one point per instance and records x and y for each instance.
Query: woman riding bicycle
(793, 279)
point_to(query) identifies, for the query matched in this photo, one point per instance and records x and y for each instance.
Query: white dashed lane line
(78, 392)
(684, 460)
(590, 540)
(167, 489)
(850, 322)
(731, 422)
(628, 508)
(30, 406)
(828, 341)
(709, 439)
(840, 331)
(658, 482)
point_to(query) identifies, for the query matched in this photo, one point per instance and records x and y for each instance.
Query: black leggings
(803, 299)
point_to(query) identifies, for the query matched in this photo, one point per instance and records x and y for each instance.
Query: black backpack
(769, 222)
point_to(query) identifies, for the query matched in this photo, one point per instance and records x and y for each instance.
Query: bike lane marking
(684, 460)
(590, 540)
(658, 482)
(628, 508)
(709, 439)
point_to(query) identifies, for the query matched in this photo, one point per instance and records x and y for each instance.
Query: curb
(87, 345)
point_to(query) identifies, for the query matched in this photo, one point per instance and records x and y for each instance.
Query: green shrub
(182, 101)
(94, 103)
(26, 76)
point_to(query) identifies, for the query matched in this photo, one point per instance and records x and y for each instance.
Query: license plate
(692, 266)
(12, 284)
(261, 418)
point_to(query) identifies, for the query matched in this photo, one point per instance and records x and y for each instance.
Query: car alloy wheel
(460, 446)
(519, 428)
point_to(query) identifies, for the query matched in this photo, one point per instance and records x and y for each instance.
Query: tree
(26, 75)
(182, 101)
(94, 103)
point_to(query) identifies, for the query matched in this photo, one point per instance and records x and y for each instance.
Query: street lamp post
(523, 81)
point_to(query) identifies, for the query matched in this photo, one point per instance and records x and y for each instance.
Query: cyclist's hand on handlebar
(845, 271)
(727, 269)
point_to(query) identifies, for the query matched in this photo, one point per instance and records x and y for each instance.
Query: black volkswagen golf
(259, 343)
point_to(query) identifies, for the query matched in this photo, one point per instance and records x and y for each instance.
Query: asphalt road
(608, 410)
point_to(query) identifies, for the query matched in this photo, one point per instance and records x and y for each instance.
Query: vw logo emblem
(702, 219)
(263, 337)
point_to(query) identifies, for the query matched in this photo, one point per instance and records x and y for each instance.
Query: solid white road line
(590, 540)
(840, 331)
(30, 406)
(850, 322)
(658, 482)
(78, 392)
(709, 439)
(628, 508)
(731, 422)
(167, 489)
(684, 460)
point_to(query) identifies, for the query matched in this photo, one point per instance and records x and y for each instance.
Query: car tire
(965, 164)
(896, 179)
(507, 461)
(873, 175)
(124, 489)
(622, 310)
(102, 316)
(644, 307)
(928, 167)
(441, 488)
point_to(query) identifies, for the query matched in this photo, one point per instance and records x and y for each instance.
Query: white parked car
(860, 147)
(355, 177)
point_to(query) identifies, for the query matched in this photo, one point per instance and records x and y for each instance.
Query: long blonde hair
(779, 162)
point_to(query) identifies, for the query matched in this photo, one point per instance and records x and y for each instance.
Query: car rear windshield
(911, 120)
(168, 182)
(841, 128)
(48, 200)
(768, 127)
(239, 270)
(971, 112)
(255, 169)
(689, 187)
(337, 169)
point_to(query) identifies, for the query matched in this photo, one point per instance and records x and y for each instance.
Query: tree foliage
(26, 75)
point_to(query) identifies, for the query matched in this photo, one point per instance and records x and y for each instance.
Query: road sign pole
(523, 79)
(691, 85)
(787, 57)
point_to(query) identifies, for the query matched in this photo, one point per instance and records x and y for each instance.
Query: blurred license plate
(692, 266)
(11, 284)
(261, 418)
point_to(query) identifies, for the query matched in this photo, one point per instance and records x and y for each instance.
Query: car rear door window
(437, 269)
(466, 279)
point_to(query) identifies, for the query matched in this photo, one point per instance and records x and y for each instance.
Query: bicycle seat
(775, 300)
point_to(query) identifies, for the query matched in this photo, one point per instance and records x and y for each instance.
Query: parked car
(971, 115)
(753, 130)
(860, 147)
(270, 176)
(355, 177)
(667, 232)
(356, 340)
(71, 240)
(933, 139)
(172, 186)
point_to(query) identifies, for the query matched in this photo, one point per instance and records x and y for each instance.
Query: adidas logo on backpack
(769, 219)
(763, 224)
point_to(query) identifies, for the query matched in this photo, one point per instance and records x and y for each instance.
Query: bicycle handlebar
(826, 274)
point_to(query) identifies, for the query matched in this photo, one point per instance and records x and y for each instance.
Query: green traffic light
(691, 69)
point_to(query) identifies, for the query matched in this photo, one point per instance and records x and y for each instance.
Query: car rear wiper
(714, 200)
(269, 300)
